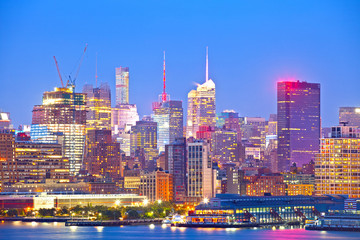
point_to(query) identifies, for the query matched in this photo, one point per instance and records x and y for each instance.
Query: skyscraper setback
(201, 106)
(298, 116)
(122, 85)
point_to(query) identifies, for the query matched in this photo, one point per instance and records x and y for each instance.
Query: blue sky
(252, 44)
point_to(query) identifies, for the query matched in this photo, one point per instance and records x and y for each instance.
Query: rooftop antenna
(164, 96)
(207, 64)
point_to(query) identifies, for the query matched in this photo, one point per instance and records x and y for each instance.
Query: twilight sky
(252, 45)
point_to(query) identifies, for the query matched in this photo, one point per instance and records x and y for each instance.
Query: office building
(200, 173)
(337, 165)
(201, 106)
(298, 117)
(62, 112)
(169, 119)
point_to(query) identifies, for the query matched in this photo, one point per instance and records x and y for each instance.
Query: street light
(206, 200)
(159, 201)
(100, 216)
(117, 202)
(145, 202)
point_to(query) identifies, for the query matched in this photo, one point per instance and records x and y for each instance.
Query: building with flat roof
(337, 166)
(298, 122)
(232, 208)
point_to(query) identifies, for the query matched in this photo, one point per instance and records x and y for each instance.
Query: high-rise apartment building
(122, 85)
(169, 118)
(337, 165)
(298, 117)
(200, 173)
(350, 115)
(62, 112)
(175, 163)
(201, 106)
(98, 102)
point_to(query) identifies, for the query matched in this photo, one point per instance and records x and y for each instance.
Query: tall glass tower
(298, 115)
(122, 85)
(169, 117)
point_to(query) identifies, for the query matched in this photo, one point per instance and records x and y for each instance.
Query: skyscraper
(201, 106)
(62, 112)
(122, 85)
(298, 116)
(98, 102)
(350, 115)
(169, 117)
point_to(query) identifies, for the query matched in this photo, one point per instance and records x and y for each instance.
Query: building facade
(98, 102)
(201, 108)
(122, 85)
(175, 163)
(169, 118)
(200, 173)
(102, 158)
(62, 112)
(298, 117)
(337, 166)
(349, 115)
(144, 138)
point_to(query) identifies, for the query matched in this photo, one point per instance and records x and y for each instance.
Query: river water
(24, 231)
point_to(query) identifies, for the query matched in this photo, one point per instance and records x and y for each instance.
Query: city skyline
(247, 61)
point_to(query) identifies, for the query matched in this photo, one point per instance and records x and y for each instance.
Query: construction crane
(71, 81)
(57, 67)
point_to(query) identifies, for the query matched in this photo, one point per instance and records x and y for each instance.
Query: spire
(207, 65)
(164, 96)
